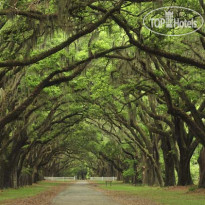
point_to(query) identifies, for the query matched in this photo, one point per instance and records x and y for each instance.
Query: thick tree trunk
(169, 172)
(186, 151)
(149, 175)
(119, 175)
(201, 162)
(35, 175)
(2, 173)
(7, 176)
(14, 179)
(10, 179)
(135, 177)
(184, 175)
(24, 179)
(126, 179)
(169, 162)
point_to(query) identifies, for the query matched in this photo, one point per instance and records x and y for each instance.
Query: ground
(123, 198)
(188, 195)
(85, 193)
(41, 194)
(82, 193)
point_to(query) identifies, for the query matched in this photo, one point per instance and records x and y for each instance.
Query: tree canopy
(86, 89)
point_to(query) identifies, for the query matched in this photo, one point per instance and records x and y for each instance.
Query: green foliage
(128, 173)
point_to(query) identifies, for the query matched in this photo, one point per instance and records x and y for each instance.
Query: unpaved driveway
(81, 193)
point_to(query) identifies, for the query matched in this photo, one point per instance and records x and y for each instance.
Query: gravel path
(81, 193)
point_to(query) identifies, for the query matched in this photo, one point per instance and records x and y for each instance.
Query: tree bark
(184, 143)
(2, 173)
(150, 177)
(184, 175)
(169, 162)
(201, 162)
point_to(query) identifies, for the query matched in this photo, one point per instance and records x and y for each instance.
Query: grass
(168, 196)
(26, 191)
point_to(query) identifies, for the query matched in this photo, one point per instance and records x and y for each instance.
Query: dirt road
(81, 193)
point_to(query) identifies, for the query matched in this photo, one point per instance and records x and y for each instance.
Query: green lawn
(26, 191)
(161, 195)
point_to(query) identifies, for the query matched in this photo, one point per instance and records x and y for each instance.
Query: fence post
(102, 178)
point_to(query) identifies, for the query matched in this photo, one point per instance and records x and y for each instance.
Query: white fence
(74, 178)
(103, 178)
(60, 178)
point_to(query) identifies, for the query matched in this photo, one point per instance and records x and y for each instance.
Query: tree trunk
(126, 179)
(184, 175)
(149, 177)
(119, 175)
(14, 179)
(2, 173)
(169, 162)
(201, 162)
(186, 151)
(135, 177)
(35, 175)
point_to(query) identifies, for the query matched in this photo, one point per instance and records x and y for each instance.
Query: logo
(173, 21)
